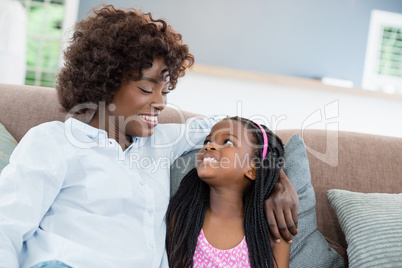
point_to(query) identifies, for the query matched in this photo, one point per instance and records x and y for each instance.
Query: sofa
(337, 159)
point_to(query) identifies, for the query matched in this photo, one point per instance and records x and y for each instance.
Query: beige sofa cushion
(366, 163)
(22, 108)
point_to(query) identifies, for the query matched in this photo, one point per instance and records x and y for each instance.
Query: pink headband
(264, 134)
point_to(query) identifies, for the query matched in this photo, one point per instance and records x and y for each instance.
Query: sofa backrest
(23, 107)
(349, 161)
(338, 160)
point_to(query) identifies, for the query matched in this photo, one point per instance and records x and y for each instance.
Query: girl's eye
(229, 142)
(145, 91)
(165, 92)
(207, 142)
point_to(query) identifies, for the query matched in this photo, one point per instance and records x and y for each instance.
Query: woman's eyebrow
(152, 80)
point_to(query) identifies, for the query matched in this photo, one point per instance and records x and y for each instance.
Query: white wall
(310, 38)
(285, 107)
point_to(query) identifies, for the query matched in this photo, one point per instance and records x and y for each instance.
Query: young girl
(216, 218)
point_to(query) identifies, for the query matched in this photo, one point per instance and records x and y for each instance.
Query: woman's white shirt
(71, 194)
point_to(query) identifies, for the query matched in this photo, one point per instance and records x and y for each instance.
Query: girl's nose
(210, 146)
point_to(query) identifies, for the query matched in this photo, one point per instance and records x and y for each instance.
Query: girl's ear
(251, 172)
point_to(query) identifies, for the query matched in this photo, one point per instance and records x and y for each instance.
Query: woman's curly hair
(112, 46)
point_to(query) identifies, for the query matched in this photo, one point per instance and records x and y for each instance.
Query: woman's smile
(150, 119)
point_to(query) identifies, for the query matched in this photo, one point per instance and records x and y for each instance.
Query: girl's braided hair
(186, 211)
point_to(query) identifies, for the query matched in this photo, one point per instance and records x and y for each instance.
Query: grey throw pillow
(7, 146)
(372, 224)
(309, 248)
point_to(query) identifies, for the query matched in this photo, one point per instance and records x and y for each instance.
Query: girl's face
(137, 104)
(226, 158)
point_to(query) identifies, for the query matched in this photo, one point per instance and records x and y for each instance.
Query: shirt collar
(93, 132)
(87, 129)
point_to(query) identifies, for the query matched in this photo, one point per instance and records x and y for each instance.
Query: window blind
(383, 64)
(390, 61)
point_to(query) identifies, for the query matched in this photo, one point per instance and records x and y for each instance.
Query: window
(383, 65)
(48, 22)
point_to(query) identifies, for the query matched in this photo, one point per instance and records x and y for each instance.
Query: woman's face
(226, 158)
(137, 104)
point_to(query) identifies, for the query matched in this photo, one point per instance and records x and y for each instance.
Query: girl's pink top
(206, 255)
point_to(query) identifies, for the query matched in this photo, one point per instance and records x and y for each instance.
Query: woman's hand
(281, 210)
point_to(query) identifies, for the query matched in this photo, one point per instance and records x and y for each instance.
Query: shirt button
(152, 244)
(150, 211)
(142, 183)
